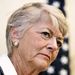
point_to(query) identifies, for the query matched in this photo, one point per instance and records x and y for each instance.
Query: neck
(21, 66)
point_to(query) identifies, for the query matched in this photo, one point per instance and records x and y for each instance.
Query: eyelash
(59, 44)
(46, 35)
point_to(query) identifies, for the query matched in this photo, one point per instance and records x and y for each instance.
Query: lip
(45, 55)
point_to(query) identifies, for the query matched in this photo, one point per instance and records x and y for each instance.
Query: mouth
(46, 55)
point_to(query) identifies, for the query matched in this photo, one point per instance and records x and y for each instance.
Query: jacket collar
(7, 65)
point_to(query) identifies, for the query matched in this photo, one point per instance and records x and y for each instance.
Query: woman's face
(40, 44)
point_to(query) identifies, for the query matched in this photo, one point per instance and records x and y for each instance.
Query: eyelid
(60, 38)
(59, 42)
(48, 31)
(45, 35)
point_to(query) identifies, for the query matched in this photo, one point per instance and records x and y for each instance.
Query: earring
(15, 43)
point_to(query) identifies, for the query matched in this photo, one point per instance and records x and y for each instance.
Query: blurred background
(65, 63)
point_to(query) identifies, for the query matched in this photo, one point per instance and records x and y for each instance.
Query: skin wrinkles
(34, 35)
(40, 43)
(43, 43)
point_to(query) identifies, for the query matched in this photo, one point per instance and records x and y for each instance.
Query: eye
(46, 35)
(59, 43)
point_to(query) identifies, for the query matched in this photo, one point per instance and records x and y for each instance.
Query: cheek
(37, 42)
(31, 44)
(54, 55)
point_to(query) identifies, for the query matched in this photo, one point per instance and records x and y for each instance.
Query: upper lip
(47, 55)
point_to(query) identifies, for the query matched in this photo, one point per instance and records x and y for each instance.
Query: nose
(52, 44)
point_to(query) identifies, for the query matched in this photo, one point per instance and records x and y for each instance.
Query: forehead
(46, 24)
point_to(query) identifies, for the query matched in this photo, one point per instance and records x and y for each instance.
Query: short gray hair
(29, 14)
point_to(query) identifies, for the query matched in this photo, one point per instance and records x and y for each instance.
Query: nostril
(49, 47)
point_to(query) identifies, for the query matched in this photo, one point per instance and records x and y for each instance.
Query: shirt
(7, 66)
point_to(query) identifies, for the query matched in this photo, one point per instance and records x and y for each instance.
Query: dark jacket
(1, 71)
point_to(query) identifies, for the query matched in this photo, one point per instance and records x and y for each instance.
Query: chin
(41, 64)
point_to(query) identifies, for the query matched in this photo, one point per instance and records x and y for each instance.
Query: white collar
(7, 66)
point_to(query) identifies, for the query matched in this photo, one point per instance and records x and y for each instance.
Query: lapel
(1, 71)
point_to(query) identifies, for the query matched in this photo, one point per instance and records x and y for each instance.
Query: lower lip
(44, 56)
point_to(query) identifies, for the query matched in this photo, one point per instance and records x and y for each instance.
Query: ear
(14, 35)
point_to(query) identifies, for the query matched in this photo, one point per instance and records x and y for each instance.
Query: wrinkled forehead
(48, 22)
(51, 24)
(44, 18)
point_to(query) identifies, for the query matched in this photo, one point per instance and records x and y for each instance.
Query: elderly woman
(34, 35)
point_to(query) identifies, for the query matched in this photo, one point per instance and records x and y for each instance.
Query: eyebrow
(59, 37)
(50, 31)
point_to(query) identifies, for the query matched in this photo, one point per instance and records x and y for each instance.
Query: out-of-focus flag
(61, 64)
